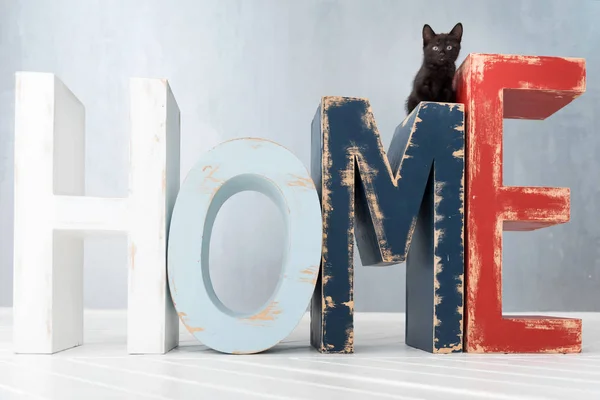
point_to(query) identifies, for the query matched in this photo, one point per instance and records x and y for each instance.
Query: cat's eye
(449, 48)
(435, 48)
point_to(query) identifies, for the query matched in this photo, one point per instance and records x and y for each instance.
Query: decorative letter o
(229, 168)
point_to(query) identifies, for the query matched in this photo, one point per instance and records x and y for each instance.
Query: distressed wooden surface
(153, 186)
(229, 168)
(52, 215)
(380, 201)
(494, 87)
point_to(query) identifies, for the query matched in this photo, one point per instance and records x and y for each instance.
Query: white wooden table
(382, 367)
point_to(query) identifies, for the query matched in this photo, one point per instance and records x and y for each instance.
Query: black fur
(433, 82)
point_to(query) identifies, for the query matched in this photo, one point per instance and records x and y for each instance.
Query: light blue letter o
(229, 168)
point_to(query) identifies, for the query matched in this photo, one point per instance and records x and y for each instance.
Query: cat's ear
(457, 31)
(428, 34)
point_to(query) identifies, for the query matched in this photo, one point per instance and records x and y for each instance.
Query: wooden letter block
(52, 215)
(410, 198)
(494, 87)
(231, 167)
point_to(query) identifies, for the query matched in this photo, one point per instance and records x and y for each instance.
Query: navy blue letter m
(407, 205)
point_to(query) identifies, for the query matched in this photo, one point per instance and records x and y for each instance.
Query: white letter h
(52, 215)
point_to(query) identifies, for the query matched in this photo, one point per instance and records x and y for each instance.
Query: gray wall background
(258, 68)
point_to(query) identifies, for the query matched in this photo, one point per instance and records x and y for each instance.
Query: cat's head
(443, 48)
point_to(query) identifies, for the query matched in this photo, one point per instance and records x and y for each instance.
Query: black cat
(433, 82)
